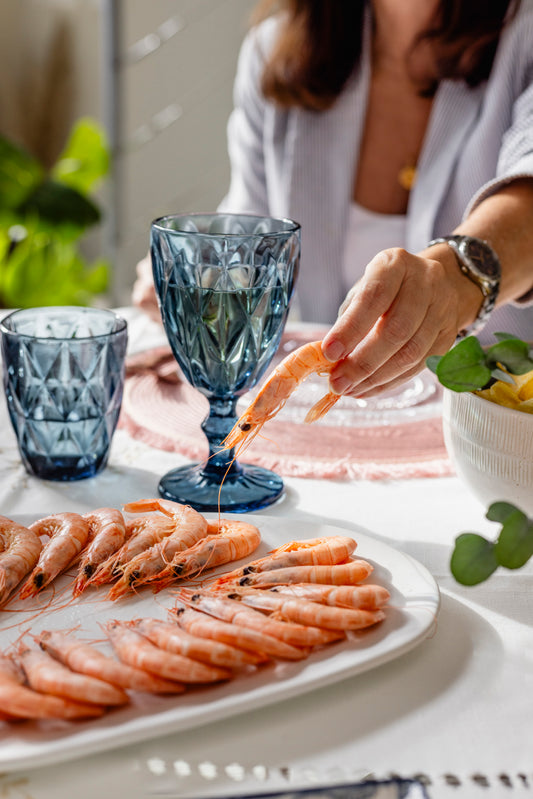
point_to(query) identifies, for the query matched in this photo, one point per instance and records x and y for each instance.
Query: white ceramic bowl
(491, 448)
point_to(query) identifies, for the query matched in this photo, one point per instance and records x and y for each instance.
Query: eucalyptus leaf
(463, 368)
(512, 353)
(500, 511)
(473, 559)
(514, 546)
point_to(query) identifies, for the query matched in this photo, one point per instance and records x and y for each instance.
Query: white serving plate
(410, 619)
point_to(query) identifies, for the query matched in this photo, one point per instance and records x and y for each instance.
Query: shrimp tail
(321, 407)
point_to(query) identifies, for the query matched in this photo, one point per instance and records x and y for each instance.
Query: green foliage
(470, 367)
(43, 217)
(475, 558)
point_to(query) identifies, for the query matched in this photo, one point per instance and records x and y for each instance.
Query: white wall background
(163, 87)
(176, 65)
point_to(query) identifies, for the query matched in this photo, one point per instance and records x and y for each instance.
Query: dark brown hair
(319, 45)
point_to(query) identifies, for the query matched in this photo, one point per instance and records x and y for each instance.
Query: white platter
(410, 618)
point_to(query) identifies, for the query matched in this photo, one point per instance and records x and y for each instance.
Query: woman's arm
(407, 307)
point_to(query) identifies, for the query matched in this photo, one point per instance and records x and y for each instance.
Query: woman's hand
(405, 308)
(143, 294)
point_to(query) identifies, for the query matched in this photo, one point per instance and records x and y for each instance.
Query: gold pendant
(407, 177)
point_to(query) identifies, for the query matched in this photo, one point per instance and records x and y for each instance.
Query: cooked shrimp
(86, 659)
(285, 379)
(141, 534)
(304, 612)
(20, 548)
(350, 573)
(136, 650)
(234, 540)
(313, 551)
(107, 533)
(227, 608)
(68, 535)
(167, 635)
(366, 596)
(17, 700)
(204, 626)
(189, 528)
(49, 676)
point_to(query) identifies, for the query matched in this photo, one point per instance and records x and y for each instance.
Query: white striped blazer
(301, 164)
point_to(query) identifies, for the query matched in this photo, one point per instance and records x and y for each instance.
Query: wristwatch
(478, 261)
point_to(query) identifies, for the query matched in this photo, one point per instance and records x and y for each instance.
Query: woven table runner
(163, 410)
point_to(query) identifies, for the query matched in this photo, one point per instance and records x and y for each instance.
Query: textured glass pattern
(224, 283)
(63, 379)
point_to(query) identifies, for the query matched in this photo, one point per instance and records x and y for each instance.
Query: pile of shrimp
(164, 542)
(301, 596)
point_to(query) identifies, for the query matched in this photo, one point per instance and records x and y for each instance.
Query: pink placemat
(163, 410)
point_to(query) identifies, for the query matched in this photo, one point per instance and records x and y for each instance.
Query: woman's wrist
(469, 295)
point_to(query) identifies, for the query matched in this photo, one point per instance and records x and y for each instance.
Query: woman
(381, 126)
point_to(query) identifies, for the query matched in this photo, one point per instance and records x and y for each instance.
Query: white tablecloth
(457, 711)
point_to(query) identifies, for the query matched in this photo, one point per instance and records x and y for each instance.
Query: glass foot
(251, 488)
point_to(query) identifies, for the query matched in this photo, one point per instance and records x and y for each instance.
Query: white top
(367, 234)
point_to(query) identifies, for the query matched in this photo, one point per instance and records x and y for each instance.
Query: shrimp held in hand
(286, 377)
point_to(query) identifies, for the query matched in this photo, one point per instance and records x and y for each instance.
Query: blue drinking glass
(63, 379)
(224, 284)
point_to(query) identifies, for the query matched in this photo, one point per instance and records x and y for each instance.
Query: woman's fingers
(369, 299)
(384, 342)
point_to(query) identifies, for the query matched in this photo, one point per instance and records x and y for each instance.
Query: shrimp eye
(244, 581)
(38, 580)
(249, 570)
(245, 426)
(195, 597)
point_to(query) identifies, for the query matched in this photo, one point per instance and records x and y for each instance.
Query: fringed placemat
(397, 436)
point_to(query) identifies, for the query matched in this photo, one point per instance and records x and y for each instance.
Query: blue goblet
(224, 284)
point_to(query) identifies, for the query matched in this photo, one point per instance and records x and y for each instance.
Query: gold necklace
(407, 176)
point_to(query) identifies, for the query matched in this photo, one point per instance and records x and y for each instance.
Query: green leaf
(514, 546)
(473, 559)
(500, 511)
(85, 159)
(512, 353)
(20, 174)
(61, 205)
(432, 362)
(463, 368)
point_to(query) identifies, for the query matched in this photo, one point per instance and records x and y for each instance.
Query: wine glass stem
(216, 426)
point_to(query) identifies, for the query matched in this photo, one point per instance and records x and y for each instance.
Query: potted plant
(488, 430)
(43, 216)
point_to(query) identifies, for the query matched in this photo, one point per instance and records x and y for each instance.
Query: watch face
(480, 254)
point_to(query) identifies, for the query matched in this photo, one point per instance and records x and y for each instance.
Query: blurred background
(151, 82)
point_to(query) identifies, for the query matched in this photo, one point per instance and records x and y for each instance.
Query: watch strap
(480, 264)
